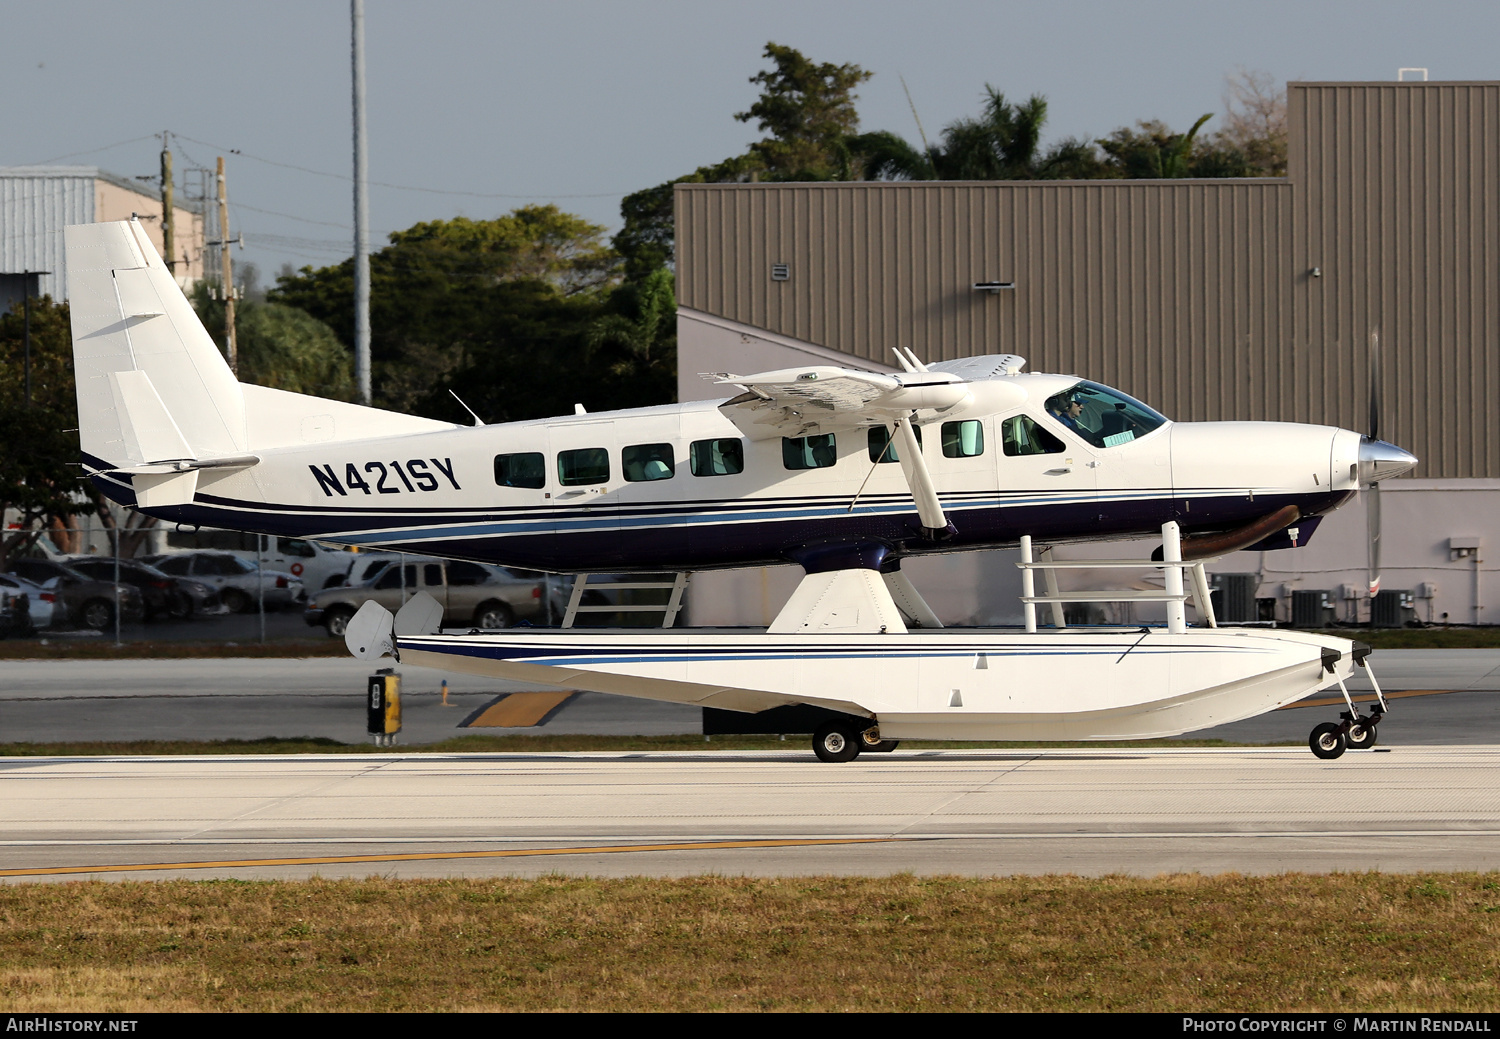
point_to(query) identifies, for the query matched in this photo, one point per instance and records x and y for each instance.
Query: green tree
(808, 110)
(42, 486)
(281, 346)
(1002, 143)
(646, 240)
(435, 286)
(1151, 150)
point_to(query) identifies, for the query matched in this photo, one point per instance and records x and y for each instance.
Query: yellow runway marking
(1328, 701)
(322, 860)
(518, 710)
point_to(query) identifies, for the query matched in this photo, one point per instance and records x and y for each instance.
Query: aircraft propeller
(1378, 460)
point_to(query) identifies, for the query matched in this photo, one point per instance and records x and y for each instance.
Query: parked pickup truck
(471, 594)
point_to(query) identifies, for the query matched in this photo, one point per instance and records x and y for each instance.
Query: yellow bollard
(383, 707)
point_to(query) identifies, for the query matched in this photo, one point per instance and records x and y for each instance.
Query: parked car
(37, 612)
(164, 594)
(15, 609)
(239, 583)
(85, 602)
(312, 562)
(470, 593)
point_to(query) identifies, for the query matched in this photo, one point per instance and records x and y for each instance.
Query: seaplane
(844, 472)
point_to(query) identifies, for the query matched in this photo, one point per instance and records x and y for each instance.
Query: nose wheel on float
(1353, 732)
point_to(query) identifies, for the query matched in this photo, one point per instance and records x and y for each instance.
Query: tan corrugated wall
(1194, 295)
(1398, 188)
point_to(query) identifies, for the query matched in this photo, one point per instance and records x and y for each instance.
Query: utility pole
(361, 208)
(168, 223)
(26, 330)
(227, 269)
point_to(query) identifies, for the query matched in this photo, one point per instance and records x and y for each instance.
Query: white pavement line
(298, 795)
(994, 778)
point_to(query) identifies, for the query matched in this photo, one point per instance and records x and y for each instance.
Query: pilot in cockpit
(1067, 409)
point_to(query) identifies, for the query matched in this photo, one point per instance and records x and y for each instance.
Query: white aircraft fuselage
(436, 492)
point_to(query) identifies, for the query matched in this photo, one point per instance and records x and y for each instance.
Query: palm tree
(1002, 143)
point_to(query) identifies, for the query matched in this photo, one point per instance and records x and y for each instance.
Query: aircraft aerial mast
(361, 210)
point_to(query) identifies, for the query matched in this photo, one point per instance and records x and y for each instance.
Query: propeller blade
(1372, 490)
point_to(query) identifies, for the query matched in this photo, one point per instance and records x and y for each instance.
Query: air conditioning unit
(1312, 608)
(1233, 597)
(1392, 609)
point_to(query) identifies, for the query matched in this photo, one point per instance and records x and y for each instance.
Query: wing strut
(935, 525)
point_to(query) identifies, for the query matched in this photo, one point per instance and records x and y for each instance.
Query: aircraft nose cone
(1381, 461)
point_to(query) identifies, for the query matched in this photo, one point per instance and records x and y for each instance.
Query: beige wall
(112, 202)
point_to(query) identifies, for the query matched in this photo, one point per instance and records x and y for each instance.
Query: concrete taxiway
(932, 812)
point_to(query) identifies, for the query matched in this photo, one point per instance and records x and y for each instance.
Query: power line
(91, 151)
(384, 184)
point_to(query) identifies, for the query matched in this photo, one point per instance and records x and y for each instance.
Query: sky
(476, 108)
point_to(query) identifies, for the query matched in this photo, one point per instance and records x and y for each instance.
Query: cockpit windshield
(1102, 416)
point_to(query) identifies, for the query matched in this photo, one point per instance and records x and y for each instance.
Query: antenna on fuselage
(477, 420)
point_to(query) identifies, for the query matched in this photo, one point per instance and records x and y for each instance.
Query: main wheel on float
(1327, 741)
(1360, 735)
(836, 741)
(871, 743)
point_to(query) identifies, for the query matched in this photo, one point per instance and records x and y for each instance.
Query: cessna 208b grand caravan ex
(844, 472)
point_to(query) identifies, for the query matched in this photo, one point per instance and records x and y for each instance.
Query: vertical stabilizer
(129, 316)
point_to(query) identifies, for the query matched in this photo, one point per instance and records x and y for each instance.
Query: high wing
(795, 402)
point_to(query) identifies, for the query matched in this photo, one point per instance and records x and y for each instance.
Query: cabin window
(963, 439)
(717, 457)
(881, 448)
(645, 462)
(1022, 436)
(817, 452)
(586, 465)
(528, 469)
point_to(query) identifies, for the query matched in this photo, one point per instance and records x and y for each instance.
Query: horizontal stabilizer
(158, 490)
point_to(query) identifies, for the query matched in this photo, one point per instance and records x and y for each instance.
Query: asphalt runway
(779, 813)
(46, 701)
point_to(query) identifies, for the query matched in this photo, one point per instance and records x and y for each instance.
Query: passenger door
(1048, 474)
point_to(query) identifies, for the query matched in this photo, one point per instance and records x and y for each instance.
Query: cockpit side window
(1102, 416)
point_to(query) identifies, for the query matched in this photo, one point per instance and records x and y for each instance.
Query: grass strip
(556, 744)
(1188, 943)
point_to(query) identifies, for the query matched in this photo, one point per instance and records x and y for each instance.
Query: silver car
(471, 594)
(238, 582)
